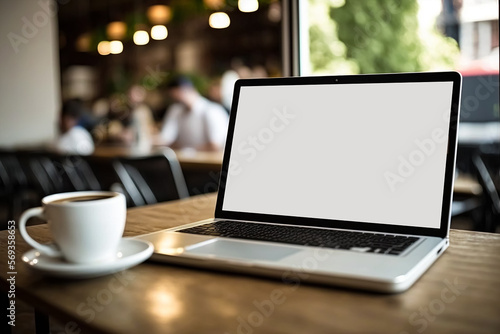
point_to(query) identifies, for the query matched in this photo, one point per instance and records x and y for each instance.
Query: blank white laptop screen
(372, 153)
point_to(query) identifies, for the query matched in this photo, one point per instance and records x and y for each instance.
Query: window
(379, 36)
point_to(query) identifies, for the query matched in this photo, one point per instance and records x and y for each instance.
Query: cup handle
(44, 249)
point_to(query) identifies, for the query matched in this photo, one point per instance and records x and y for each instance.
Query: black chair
(487, 167)
(102, 169)
(79, 172)
(151, 179)
(17, 189)
(26, 176)
(54, 173)
(15, 174)
(465, 206)
(46, 172)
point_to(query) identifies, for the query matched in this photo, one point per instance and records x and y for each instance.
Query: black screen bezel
(442, 231)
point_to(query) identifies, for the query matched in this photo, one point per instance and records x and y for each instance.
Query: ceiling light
(141, 37)
(219, 20)
(115, 47)
(159, 32)
(116, 30)
(159, 14)
(103, 48)
(248, 6)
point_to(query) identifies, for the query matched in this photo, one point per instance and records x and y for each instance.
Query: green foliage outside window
(375, 36)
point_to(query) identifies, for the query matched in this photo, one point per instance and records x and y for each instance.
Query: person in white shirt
(73, 138)
(193, 122)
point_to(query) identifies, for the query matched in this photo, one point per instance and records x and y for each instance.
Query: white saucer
(130, 253)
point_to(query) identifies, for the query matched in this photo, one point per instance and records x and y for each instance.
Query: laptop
(337, 180)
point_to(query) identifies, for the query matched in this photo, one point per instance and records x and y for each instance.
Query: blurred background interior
(111, 62)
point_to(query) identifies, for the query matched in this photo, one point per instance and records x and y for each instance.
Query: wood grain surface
(460, 293)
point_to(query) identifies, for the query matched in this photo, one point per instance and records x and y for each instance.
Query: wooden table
(459, 294)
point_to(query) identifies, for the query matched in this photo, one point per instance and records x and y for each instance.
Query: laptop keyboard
(347, 240)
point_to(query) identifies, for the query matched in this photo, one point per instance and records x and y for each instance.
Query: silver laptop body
(373, 154)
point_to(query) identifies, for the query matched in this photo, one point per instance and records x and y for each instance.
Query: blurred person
(73, 138)
(192, 121)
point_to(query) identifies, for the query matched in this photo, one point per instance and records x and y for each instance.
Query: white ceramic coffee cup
(85, 231)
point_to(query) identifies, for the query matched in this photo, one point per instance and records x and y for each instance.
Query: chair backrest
(151, 179)
(26, 176)
(4, 179)
(487, 166)
(15, 176)
(53, 173)
(79, 172)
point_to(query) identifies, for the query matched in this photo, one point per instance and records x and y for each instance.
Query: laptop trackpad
(229, 249)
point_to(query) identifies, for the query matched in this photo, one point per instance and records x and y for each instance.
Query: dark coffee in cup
(81, 199)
